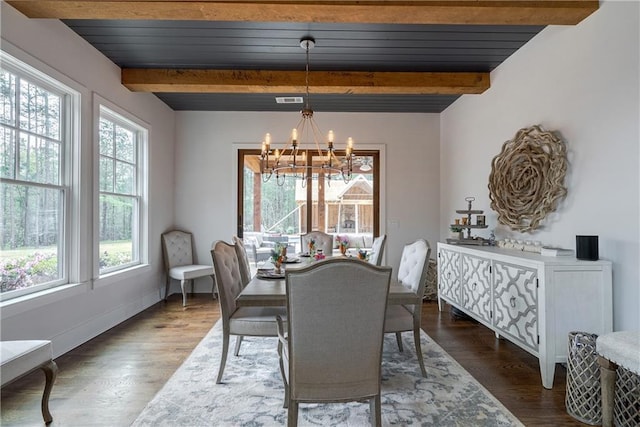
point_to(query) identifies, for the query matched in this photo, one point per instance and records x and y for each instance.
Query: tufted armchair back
(414, 263)
(225, 263)
(323, 241)
(177, 248)
(377, 249)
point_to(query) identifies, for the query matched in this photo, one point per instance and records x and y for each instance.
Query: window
(35, 184)
(121, 181)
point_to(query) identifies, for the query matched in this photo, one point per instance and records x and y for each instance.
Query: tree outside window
(120, 192)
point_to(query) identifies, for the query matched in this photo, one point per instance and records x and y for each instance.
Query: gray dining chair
(332, 348)
(243, 260)
(377, 250)
(323, 241)
(180, 262)
(412, 272)
(238, 321)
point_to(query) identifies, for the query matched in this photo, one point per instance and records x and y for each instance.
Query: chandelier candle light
(292, 160)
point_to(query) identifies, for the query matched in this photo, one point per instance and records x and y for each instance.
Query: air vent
(288, 99)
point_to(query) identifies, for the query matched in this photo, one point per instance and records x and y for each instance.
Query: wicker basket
(583, 398)
(626, 407)
(431, 290)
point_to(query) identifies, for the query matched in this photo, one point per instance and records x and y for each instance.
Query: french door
(291, 206)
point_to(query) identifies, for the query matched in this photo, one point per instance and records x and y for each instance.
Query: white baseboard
(72, 338)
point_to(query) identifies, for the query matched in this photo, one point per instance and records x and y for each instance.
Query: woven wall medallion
(527, 178)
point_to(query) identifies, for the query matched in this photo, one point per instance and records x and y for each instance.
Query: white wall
(75, 315)
(206, 169)
(583, 82)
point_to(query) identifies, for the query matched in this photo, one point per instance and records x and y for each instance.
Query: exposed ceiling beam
(325, 82)
(485, 12)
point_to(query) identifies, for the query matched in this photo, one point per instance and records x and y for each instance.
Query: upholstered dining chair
(412, 272)
(332, 348)
(243, 260)
(239, 321)
(377, 250)
(323, 241)
(180, 262)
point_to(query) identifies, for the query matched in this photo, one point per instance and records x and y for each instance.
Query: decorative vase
(343, 250)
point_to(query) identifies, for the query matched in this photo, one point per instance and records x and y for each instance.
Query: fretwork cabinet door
(516, 303)
(449, 275)
(476, 286)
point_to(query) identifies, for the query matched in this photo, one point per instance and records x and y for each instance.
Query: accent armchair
(180, 263)
(332, 348)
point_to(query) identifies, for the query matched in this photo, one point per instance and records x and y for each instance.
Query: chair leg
(167, 286)
(50, 372)
(223, 358)
(183, 285)
(375, 407)
(608, 373)
(292, 416)
(284, 376)
(416, 339)
(399, 341)
(238, 342)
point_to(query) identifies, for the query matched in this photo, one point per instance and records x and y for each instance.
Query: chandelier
(292, 159)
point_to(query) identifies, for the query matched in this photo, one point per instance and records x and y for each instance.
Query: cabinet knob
(473, 287)
(448, 275)
(512, 301)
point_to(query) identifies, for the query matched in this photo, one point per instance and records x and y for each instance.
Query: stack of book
(549, 251)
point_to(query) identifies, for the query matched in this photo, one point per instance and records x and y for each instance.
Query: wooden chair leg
(50, 372)
(223, 358)
(399, 341)
(292, 416)
(183, 285)
(416, 339)
(375, 407)
(607, 385)
(238, 342)
(167, 286)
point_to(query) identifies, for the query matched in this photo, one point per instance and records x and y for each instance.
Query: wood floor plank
(108, 380)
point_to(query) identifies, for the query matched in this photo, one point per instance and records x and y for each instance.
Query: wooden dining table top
(272, 293)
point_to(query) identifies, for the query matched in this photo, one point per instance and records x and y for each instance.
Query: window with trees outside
(35, 187)
(282, 211)
(121, 145)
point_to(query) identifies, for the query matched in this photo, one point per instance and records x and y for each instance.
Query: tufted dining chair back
(412, 272)
(337, 357)
(180, 262)
(323, 241)
(377, 250)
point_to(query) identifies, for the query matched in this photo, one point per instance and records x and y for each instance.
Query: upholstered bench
(620, 350)
(19, 358)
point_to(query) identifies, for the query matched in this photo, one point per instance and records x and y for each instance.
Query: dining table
(270, 291)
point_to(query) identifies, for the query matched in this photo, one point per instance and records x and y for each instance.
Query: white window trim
(25, 65)
(106, 279)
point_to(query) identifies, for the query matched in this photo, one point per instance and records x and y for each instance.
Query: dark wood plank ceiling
(424, 37)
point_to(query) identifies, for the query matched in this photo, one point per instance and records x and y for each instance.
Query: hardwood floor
(108, 380)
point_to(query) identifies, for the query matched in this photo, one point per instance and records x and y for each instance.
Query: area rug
(252, 391)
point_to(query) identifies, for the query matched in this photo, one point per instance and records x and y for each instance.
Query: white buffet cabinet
(531, 300)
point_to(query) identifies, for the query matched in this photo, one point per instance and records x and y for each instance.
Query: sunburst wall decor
(527, 178)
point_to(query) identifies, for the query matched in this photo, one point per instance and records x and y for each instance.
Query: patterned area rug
(252, 393)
